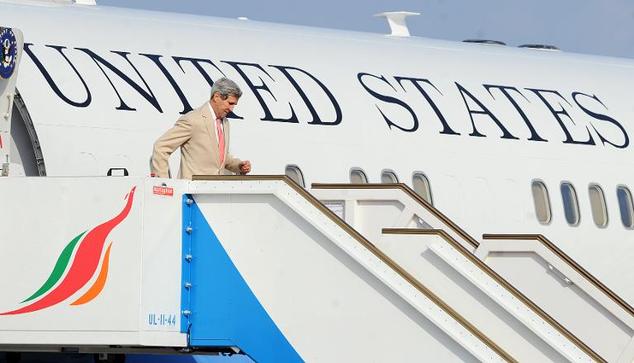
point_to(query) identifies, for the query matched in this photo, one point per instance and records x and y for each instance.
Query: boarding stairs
(529, 267)
(258, 265)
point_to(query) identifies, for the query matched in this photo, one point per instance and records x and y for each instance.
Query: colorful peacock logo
(90, 245)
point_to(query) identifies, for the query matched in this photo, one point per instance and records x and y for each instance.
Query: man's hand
(245, 167)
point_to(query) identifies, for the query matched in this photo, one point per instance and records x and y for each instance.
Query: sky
(603, 27)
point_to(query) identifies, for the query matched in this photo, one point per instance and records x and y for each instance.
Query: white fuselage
(482, 122)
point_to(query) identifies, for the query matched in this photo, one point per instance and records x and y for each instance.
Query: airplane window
(357, 176)
(541, 200)
(295, 173)
(571, 204)
(625, 204)
(597, 203)
(422, 187)
(388, 177)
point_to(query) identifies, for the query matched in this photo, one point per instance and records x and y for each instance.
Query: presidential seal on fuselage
(9, 53)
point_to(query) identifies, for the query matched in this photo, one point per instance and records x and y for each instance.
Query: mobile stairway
(250, 265)
(530, 267)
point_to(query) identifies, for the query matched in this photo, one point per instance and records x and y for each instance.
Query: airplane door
(11, 43)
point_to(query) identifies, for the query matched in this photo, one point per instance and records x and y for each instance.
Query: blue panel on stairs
(224, 310)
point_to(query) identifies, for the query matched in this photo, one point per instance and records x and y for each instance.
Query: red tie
(221, 141)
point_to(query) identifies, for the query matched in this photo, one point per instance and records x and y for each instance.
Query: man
(203, 136)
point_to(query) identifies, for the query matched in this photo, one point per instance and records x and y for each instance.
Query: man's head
(224, 96)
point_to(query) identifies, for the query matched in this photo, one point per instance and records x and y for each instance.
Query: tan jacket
(195, 134)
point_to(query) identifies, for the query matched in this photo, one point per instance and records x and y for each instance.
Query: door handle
(9, 104)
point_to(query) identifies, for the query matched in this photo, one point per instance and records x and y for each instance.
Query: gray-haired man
(203, 135)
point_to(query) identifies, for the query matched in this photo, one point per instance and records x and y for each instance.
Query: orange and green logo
(83, 254)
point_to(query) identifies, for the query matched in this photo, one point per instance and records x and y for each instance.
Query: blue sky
(603, 27)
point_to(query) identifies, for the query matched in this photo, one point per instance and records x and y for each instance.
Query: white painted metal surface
(318, 283)
(485, 303)
(143, 277)
(536, 271)
(290, 246)
(482, 182)
(99, 97)
(564, 293)
(369, 210)
(396, 21)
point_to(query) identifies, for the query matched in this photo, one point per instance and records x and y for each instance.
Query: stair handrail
(411, 193)
(569, 261)
(500, 280)
(371, 247)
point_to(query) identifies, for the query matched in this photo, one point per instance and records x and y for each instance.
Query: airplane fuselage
(481, 122)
